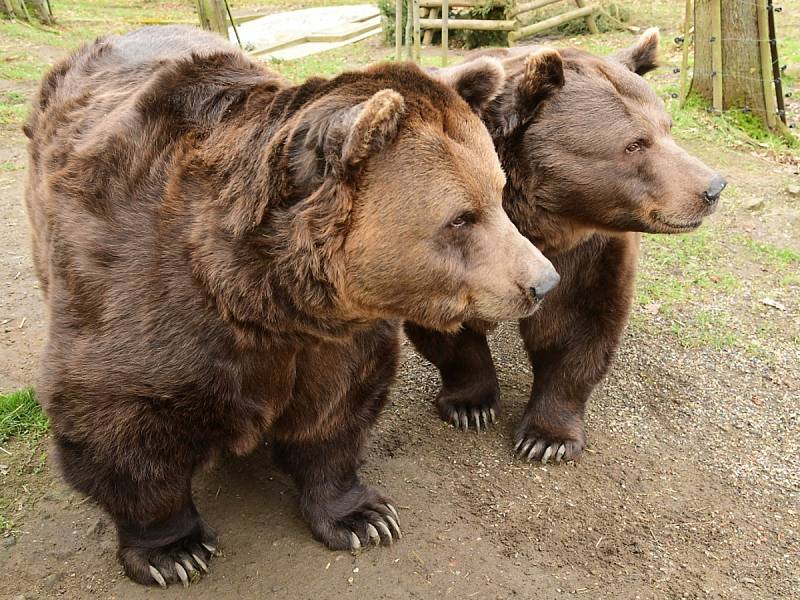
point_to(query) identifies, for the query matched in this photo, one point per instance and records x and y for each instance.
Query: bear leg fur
(470, 393)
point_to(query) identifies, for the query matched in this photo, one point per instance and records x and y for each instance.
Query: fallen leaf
(773, 303)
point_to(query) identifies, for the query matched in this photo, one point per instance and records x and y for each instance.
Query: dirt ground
(690, 487)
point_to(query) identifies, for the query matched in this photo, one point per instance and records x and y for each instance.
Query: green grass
(775, 256)
(21, 415)
(730, 129)
(10, 165)
(13, 110)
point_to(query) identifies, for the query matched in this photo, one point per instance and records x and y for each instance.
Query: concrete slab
(304, 32)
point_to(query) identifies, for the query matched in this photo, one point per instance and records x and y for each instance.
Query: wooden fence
(519, 21)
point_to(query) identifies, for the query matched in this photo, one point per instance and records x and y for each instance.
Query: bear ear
(336, 137)
(374, 126)
(477, 81)
(542, 76)
(642, 57)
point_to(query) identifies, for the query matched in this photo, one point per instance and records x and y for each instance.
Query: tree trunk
(741, 66)
(39, 9)
(212, 16)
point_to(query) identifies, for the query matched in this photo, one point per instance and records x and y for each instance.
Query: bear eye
(634, 147)
(462, 220)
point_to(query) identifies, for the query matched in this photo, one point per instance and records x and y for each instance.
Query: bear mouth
(685, 226)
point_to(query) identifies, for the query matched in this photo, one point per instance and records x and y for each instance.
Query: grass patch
(770, 254)
(676, 268)
(706, 329)
(20, 414)
(732, 128)
(13, 110)
(10, 165)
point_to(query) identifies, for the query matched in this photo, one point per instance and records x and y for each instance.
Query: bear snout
(712, 193)
(545, 283)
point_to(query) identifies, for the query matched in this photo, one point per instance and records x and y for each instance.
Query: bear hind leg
(470, 394)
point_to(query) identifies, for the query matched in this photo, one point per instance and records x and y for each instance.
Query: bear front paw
(534, 443)
(353, 523)
(182, 561)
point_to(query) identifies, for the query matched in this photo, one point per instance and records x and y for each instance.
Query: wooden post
(20, 10)
(445, 31)
(687, 20)
(409, 23)
(417, 41)
(212, 16)
(716, 54)
(590, 22)
(766, 63)
(8, 9)
(427, 37)
(776, 67)
(398, 30)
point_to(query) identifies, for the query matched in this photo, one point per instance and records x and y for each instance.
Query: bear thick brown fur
(590, 162)
(227, 257)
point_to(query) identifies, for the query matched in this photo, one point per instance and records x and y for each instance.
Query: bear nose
(711, 195)
(547, 282)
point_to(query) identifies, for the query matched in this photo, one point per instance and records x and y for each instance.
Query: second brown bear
(590, 161)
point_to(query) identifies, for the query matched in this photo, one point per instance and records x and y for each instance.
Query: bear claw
(393, 510)
(211, 549)
(538, 449)
(395, 527)
(200, 563)
(460, 418)
(158, 577)
(374, 536)
(355, 543)
(182, 574)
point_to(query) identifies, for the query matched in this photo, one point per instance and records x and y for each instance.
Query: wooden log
(475, 24)
(427, 37)
(462, 3)
(687, 20)
(590, 22)
(529, 6)
(550, 23)
(766, 64)
(716, 54)
(445, 31)
(398, 29)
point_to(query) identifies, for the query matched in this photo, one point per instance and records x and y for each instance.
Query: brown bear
(226, 257)
(590, 161)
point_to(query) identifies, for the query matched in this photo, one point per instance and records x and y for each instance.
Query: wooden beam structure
(551, 23)
(474, 24)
